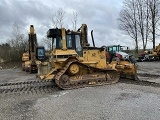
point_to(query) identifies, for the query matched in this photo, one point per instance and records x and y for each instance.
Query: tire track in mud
(142, 82)
(148, 75)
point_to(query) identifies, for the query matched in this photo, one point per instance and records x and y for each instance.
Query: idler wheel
(64, 80)
(73, 69)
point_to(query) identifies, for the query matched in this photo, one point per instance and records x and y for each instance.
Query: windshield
(73, 41)
(40, 52)
(54, 43)
(57, 42)
(69, 41)
(78, 43)
(114, 49)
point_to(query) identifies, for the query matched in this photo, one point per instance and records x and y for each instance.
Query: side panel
(96, 57)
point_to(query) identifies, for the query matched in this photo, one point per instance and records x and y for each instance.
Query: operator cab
(73, 40)
(40, 53)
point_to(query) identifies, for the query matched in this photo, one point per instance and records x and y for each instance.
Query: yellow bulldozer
(150, 55)
(73, 63)
(29, 58)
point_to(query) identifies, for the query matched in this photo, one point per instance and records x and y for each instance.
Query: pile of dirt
(7, 65)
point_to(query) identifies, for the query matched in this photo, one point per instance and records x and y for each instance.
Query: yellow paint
(95, 57)
(125, 67)
(25, 57)
(74, 69)
(31, 29)
(64, 39)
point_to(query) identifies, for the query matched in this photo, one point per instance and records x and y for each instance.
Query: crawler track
(28, 87)
(38, 86)
(95, 77)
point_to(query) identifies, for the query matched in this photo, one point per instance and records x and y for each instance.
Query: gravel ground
(149, 67)
(15, 75)
(150, 71)
(110, 102)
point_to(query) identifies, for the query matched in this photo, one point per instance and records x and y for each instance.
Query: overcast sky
(100, 16)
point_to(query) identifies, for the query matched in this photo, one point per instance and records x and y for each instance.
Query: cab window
(69, 41)
(57, 42)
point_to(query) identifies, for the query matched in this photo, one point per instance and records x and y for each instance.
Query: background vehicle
(29, 58)
(73, 63)
(150, 55)
(116, 51)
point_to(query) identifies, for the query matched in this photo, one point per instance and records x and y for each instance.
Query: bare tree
(58, 22)
(18, 43)
(154, 16)
(58, 18)
(74, 20)
(5, 52)
(18, 39)
(128, 21)
(139, 19)
(143, 21)
(47, 42)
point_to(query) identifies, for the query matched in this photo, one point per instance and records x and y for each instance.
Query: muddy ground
(110, 102)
